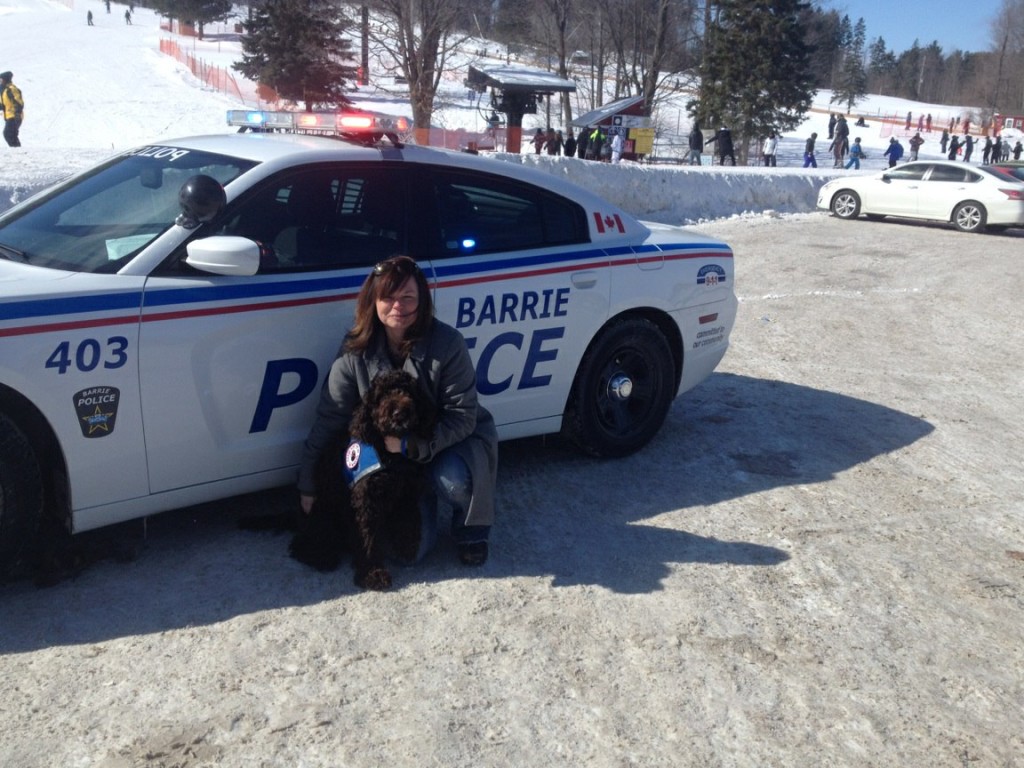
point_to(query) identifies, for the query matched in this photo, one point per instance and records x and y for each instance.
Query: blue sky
(963, 25)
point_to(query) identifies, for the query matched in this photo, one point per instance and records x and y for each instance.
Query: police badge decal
(97, 410)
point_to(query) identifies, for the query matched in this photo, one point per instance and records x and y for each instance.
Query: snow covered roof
(605, 112)
(509, 78)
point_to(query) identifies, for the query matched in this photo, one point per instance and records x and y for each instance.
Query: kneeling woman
(395, 328)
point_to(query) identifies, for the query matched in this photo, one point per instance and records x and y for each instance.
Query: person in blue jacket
(894, 152)
(856, 155)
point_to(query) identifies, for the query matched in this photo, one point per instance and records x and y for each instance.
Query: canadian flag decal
(608, 223)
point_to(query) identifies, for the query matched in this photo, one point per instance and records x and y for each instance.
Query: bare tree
(649, 40)
(553, 22)
(1007, 26)
(421, 36)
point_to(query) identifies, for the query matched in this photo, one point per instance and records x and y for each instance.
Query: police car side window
(330, 217)
(483, 214)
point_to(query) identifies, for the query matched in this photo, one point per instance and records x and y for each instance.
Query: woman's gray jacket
(441, 363)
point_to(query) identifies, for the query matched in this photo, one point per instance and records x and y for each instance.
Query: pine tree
(852, 79)
(298, 48)
(755, 77)
(881, 68)
(197, 12)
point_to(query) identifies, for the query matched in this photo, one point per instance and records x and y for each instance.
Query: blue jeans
(452, 484)
(809, 161)
(853, 161)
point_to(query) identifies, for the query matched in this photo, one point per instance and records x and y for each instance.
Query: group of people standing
(127, 14)
(994, 150)
(592, 144)
(844, 154)
(722, 139)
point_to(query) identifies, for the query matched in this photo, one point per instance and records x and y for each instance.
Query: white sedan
(972, 197)
(168, 317)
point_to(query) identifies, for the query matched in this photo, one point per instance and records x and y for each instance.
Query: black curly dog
(380, 513)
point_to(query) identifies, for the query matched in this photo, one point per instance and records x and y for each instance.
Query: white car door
(231, 367)
(895, 192)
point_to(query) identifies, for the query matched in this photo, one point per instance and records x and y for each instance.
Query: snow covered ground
(94, 91)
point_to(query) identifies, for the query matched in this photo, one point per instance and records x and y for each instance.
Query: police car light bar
(352, 124)
(260, 120)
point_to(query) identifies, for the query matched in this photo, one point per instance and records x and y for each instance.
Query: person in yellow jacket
(13, 106)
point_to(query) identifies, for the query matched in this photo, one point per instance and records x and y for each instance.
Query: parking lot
(818, 561)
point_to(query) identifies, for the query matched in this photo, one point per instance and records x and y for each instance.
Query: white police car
(167, 318)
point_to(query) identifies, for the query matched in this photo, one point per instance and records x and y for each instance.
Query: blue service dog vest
(361, 459)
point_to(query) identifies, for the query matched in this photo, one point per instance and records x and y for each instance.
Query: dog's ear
(361, 425)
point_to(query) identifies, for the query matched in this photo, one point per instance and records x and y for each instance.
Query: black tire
(622, 391)
(21, 496)
(846, 204)
(970, 216)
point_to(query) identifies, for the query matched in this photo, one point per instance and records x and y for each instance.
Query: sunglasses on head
(402, 265)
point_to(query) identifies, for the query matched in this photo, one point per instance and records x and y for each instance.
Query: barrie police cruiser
(168, 316)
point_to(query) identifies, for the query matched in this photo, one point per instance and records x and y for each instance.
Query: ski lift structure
(515, 92)
(626, 116)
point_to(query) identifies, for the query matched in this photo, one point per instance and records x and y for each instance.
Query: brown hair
(384, 279)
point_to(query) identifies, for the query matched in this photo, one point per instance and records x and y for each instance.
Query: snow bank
(685, 194)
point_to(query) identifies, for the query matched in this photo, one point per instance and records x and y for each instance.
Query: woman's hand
(393, 444)
(306, 502)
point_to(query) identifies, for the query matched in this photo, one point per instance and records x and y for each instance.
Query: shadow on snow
(576, 520)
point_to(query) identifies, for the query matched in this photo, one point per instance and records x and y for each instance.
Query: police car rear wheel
(21, 495)
(623, 390)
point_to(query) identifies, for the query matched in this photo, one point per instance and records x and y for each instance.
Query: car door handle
(586, 279)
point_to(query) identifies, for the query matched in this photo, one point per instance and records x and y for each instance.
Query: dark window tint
(948, 173)
(324, 218)
(483, 214)
(908, 172)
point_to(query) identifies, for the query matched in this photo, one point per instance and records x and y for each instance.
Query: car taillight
(1013, 194)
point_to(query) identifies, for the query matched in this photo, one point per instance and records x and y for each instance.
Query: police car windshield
(100, 221)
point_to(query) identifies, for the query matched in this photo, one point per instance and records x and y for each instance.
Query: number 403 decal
(89, 354)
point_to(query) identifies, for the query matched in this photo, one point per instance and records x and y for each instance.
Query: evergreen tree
(823, 36)
(852, 79)
(197, 12)
(881, 68)
(908, 69)
(298, 48)
(755, 76)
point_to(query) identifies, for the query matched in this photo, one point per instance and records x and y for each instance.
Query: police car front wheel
(21, 495)
(623, 390)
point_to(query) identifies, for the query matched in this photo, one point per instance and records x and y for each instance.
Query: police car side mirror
(224, 255)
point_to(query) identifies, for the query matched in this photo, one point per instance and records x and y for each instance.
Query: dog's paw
(375, 578)
(316, 553)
